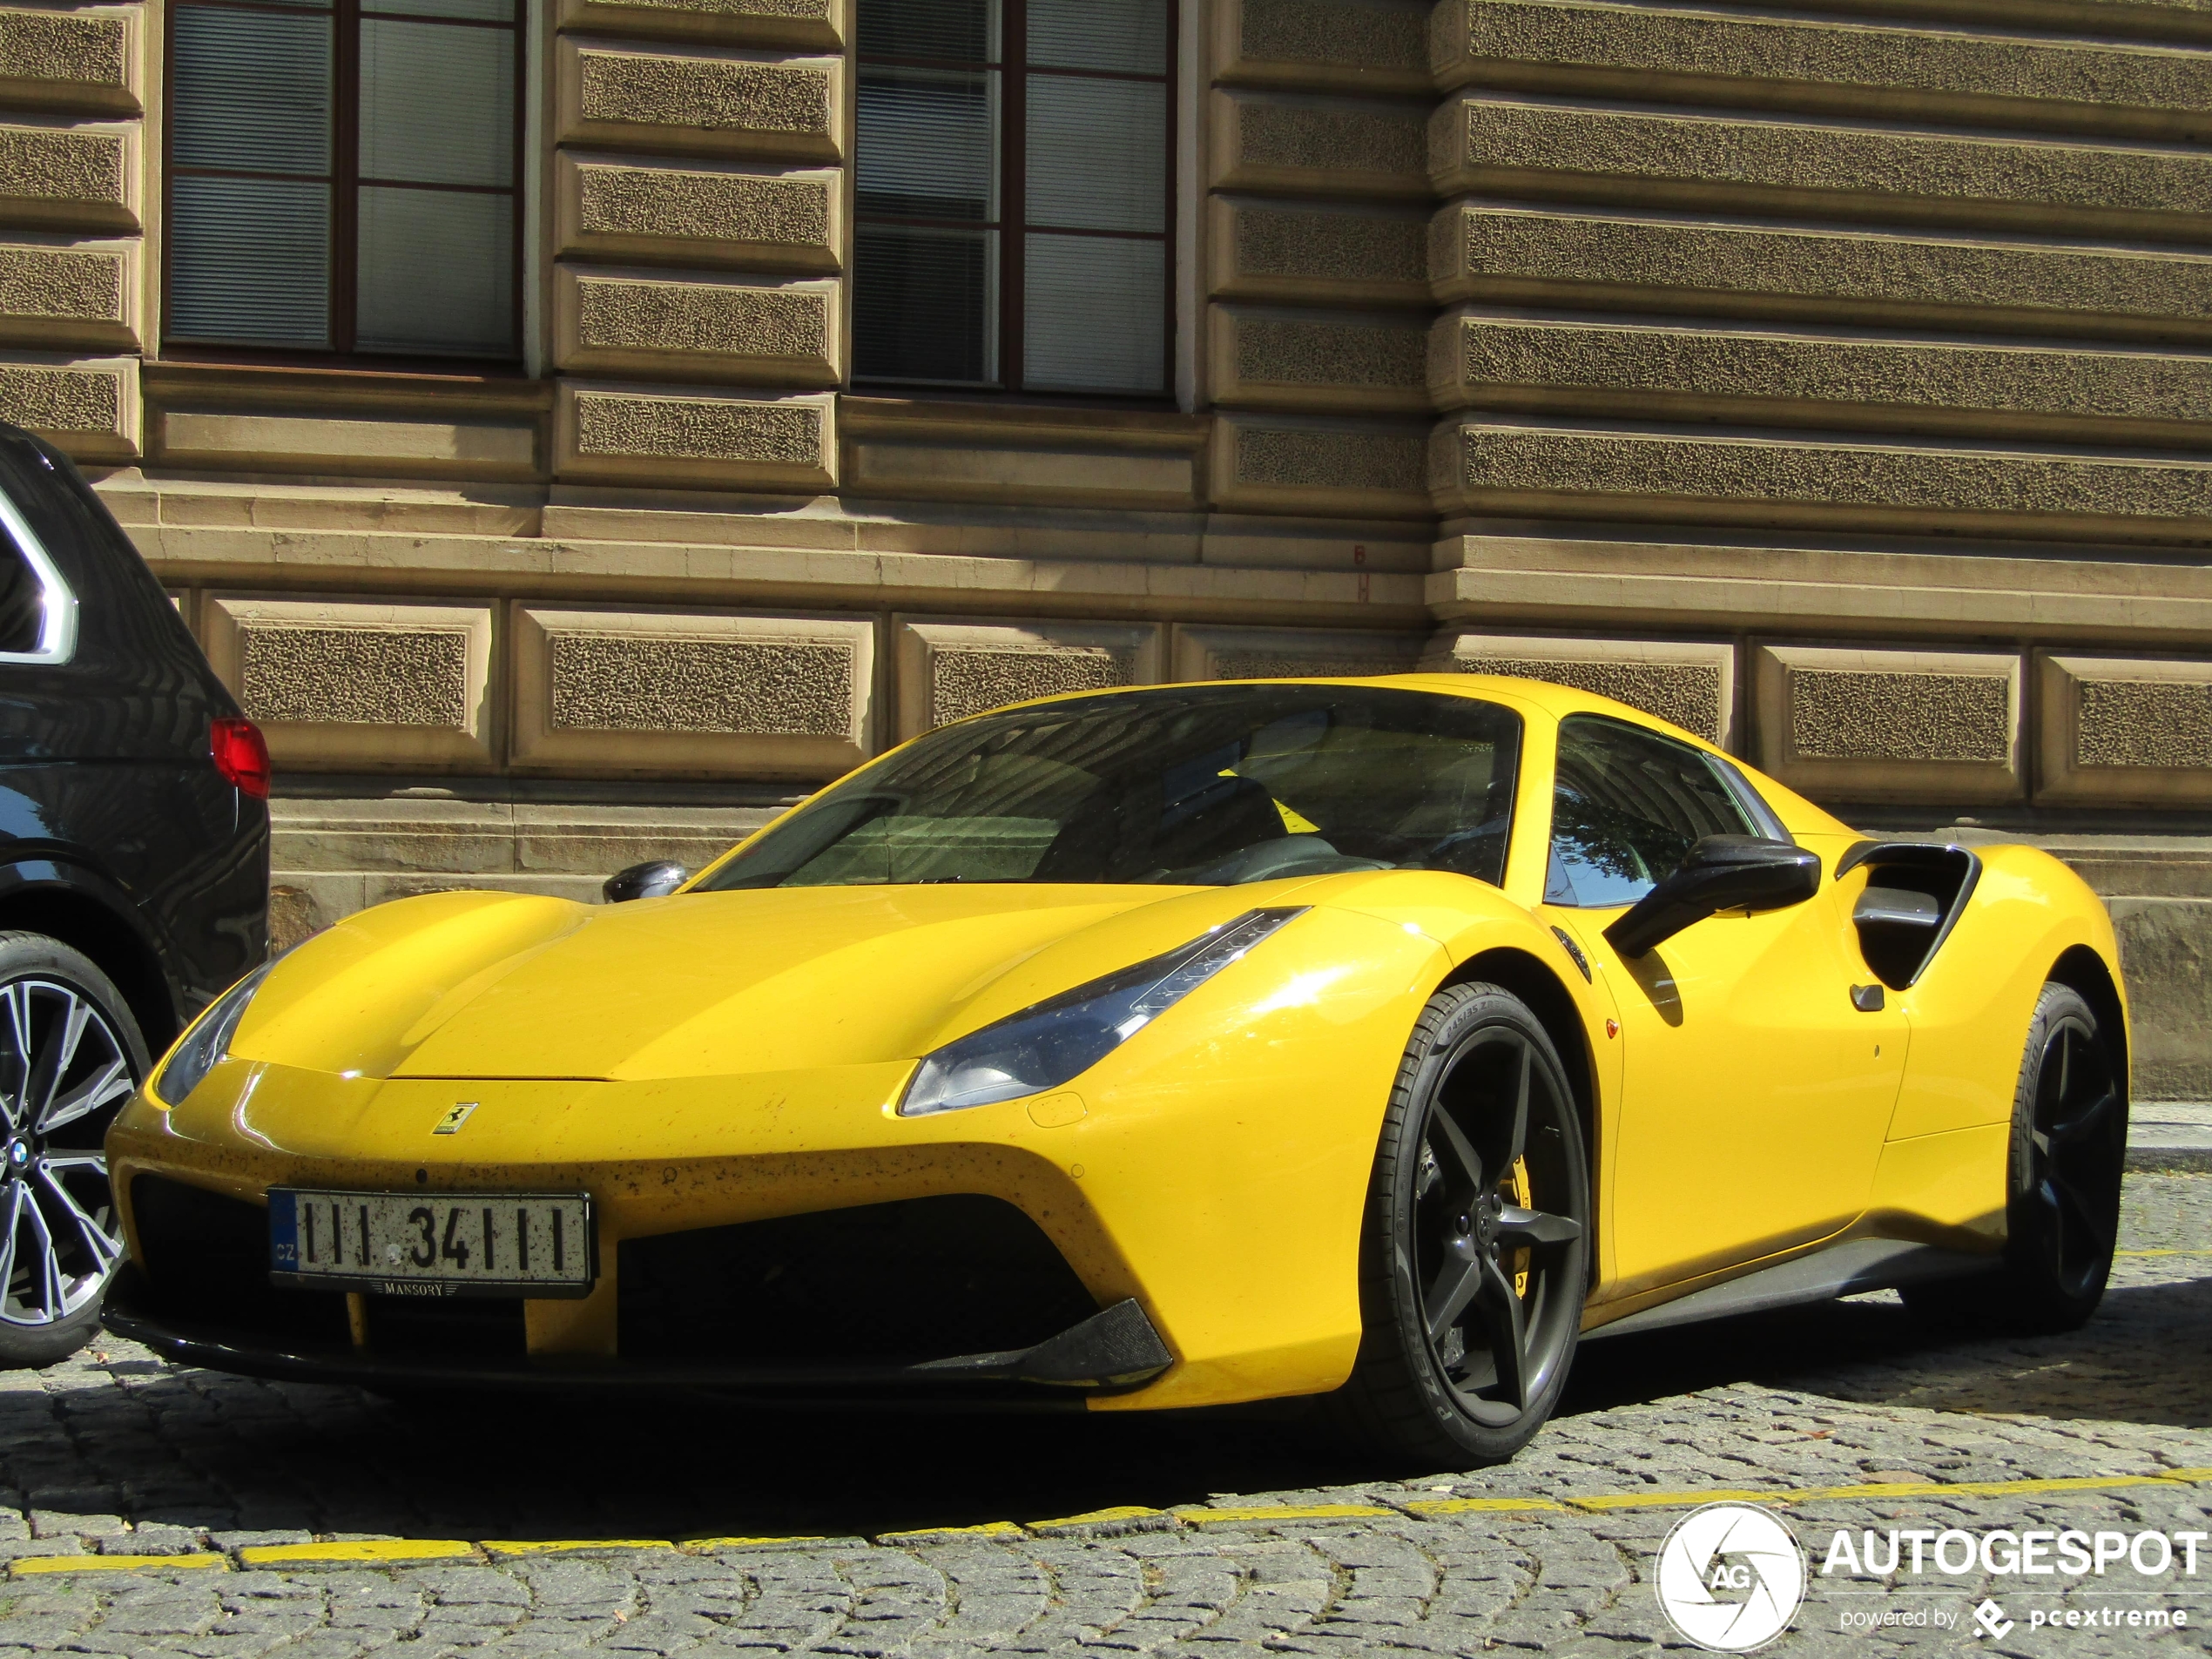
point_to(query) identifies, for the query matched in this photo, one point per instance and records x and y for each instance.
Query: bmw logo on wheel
(1730, 1577)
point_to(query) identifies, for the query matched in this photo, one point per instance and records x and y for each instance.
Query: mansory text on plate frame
(1379, 1039)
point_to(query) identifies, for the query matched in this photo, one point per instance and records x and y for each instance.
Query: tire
(2068, 1149)
(70, 1055)
(1478, 1210)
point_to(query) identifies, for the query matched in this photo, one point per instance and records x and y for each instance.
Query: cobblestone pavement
(1230, 1547)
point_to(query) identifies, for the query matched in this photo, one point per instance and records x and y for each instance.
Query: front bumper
(1112, 1351)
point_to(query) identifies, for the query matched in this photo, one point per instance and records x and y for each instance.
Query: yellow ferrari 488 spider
(1375, 1038)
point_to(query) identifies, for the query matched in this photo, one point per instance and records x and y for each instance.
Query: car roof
(1542, 696)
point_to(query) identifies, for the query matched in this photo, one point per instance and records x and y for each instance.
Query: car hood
(507, 985)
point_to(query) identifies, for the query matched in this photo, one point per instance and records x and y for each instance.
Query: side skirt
(1841, 1269)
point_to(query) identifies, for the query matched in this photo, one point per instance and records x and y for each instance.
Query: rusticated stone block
(1210, 653)
(1359, 256)
(1485, 144)
(301, 675)
(89, 408)
(780, 23)
(1891, 725)
(696, 329)
(60, 296)
(717, 103)
(1690, 370)
(951, 668)
(657, 209)
(1289, 462)
(1380, 45)
(1623, 261)
(69, 177)
(724, 693)
(341, 684)
(1318, 361)
(2122, 730)
(1891, 485)
(1690, 683)
(786, 443)
(65, 60)
(605, 683)
(1678, 55)
(1266, 141)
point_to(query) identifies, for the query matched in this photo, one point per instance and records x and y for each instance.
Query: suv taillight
(241, 756)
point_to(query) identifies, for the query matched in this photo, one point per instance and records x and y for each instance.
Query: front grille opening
(921, 1278)
(207, 1261)
(477, 1327)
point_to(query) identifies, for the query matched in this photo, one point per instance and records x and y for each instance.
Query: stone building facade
(1836, 382)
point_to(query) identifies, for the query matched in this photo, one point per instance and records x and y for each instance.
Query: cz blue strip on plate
(284, 1233)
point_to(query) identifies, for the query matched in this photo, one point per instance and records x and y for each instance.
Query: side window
(1627, 806)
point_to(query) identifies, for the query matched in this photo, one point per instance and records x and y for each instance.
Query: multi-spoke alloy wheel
(2069, 1147)
(69, 1056)
(1476, 1247)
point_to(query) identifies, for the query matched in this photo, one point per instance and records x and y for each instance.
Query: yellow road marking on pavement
(1101, 1517)
(753, 1543)
(1481, 1506)
(563, 1545)
(389, 1551)
(931, 1534)
(1264, 1514)
(1606, 1501)
(29, 1564)
(2163, 1252)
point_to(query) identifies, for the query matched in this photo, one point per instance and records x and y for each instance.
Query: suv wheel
(70, 1055)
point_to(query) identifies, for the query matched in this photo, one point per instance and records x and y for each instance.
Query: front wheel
(2069, 1149)
(69, 1056)
(1475, 1249)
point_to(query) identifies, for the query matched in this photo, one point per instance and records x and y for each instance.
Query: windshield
(1188, 786)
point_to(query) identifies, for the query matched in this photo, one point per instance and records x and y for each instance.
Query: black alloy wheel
(2068, 1151)
(69, 1056)
(1476, 1249)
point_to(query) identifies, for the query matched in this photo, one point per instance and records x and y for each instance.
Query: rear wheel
(70, 1055)
(2069, 1148)
(1475, 1251)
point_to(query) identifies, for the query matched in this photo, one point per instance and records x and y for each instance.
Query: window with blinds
(1013, 194)
(342, 176)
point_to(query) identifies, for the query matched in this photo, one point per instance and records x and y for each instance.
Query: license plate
(434, 1243)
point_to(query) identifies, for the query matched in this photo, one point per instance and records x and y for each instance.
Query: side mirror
(648, 880)
(1722, 873)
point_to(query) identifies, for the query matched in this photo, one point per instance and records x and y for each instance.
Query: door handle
(1867, 999)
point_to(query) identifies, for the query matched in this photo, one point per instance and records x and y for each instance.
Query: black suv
(134, 874)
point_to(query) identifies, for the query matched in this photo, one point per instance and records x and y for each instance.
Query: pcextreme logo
(1730, 1577)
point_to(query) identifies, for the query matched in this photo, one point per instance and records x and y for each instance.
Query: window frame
(345, 184)
(1012, 227)
(58, 619)
(1731, 783)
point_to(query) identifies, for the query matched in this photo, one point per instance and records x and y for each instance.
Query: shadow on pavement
(221, 1454)
(2145, 1358)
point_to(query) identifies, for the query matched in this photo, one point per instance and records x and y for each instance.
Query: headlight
(1044, 1046)
(208, 1040)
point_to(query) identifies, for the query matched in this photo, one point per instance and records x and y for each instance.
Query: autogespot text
(1956, 1553)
